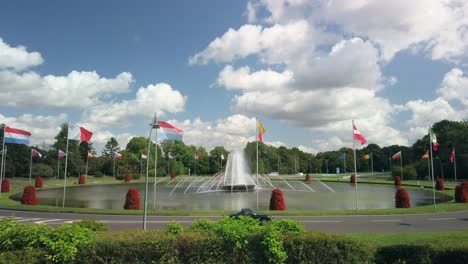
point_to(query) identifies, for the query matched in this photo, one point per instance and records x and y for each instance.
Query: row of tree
(176, 157)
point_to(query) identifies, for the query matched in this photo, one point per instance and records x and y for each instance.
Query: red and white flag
(452, 155)
(358, 136)
(76, 132)
(35, 153)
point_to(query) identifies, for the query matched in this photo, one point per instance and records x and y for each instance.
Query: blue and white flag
(169, 132)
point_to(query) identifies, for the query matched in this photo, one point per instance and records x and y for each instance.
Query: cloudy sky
(304, 68)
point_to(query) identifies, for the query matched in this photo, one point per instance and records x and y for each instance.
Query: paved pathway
(452, 221)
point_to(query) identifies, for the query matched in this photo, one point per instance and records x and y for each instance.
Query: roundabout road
(437, 222)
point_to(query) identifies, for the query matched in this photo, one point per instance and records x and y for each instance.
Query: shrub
(29, 195)
(277, 200)
(5, 185)
(91, 224)
(174, 228)
(203, 224)
(128, 178)
(307, 178)
(402, 198)
(461, 193)
(132, 201)
(43, 170)
(404, 254)
(173, 176)
(397, 181)
(82, 179)
(136, 176)
(409, 173)
(352, 179)
(440, 184)
(288, 226)
(27, 255)
(39, 182)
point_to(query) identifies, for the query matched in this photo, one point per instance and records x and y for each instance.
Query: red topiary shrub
(307, 178)
(277, 200)
(173, 176)
(82, 179)
(29, 195)
(132, 200)
(440, 185)
(352, 179)
(39, 182)
(398, 181)
(402, 199)
(5, 186)
(461, 193)
(128, 178)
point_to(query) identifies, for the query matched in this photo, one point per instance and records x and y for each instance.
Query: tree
(111, 146)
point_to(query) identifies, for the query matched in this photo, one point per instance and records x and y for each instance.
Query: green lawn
(455, 239)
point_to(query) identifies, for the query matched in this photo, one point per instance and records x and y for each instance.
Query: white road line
(441, 219)
(47, 221)
(28, 219)
(387, 220)
(308, 187)
(326, 186)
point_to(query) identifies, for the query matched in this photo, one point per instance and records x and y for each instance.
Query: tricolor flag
(426, 155)
(76, 132)
(452, 155)
(170, 132)
(261, 131)
(433, 138)
(196, 156)
(61, 154)
(397, 155)
(16, 136)
(366, 157)
(117, 155)
(342, 156)
(144, 156)
(35, 153)
(358, 136)
(90, 155)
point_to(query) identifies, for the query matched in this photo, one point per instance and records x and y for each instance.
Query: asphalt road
(452, 221)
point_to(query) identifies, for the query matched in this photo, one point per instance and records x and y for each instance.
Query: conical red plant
(307, 178)
(352, 179)
(82, 179)
(440, 184)
(398, 181)
(5, 186)
(128, 178)
(277, 200)
(132, 200)
(39, 182)
(29, 195)
(461, 193)
(402, 199)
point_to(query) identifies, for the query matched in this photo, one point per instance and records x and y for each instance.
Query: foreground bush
(461, 193)
(39, 182)
(132, 200)
(82, 179)
(277, 200)
(5, 186)
(397, 181)
(402, 198)
(29, 195)
(440, 185)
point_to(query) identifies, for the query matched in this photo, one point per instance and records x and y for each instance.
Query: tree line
(450, 134)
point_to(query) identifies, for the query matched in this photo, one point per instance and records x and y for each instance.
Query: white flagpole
(344, 159)
(30, 167)
(455, 164)
(372, 162)
(355, 171)
(256, 136)
(58, 165)
(141, 166)
(155, 160)
(401, 164)
(429, 167)
(145, 206)
(87, 160)
(432, 168)
(113, 169)
(3, 155)
(66, 163)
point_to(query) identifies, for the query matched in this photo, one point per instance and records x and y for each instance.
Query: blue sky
(304, 68)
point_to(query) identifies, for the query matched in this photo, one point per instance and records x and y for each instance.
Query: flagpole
(455, 163)
(256, 136)
(345, 159)
(30, 167)
(432, 168)
(145, 206)
(155, 160)
(3, 155)
(429, 167)
(401, 164)
(58, 165)
(141, 167)
(113, 169)
(66, 163)
(372, 162)
(87, 160)
(355, 170)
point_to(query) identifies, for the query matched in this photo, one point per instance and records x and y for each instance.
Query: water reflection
(314, 196)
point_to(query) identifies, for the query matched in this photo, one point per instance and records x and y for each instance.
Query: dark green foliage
(404, 254)
(91, 224)
(27, 255)
(42, 170)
